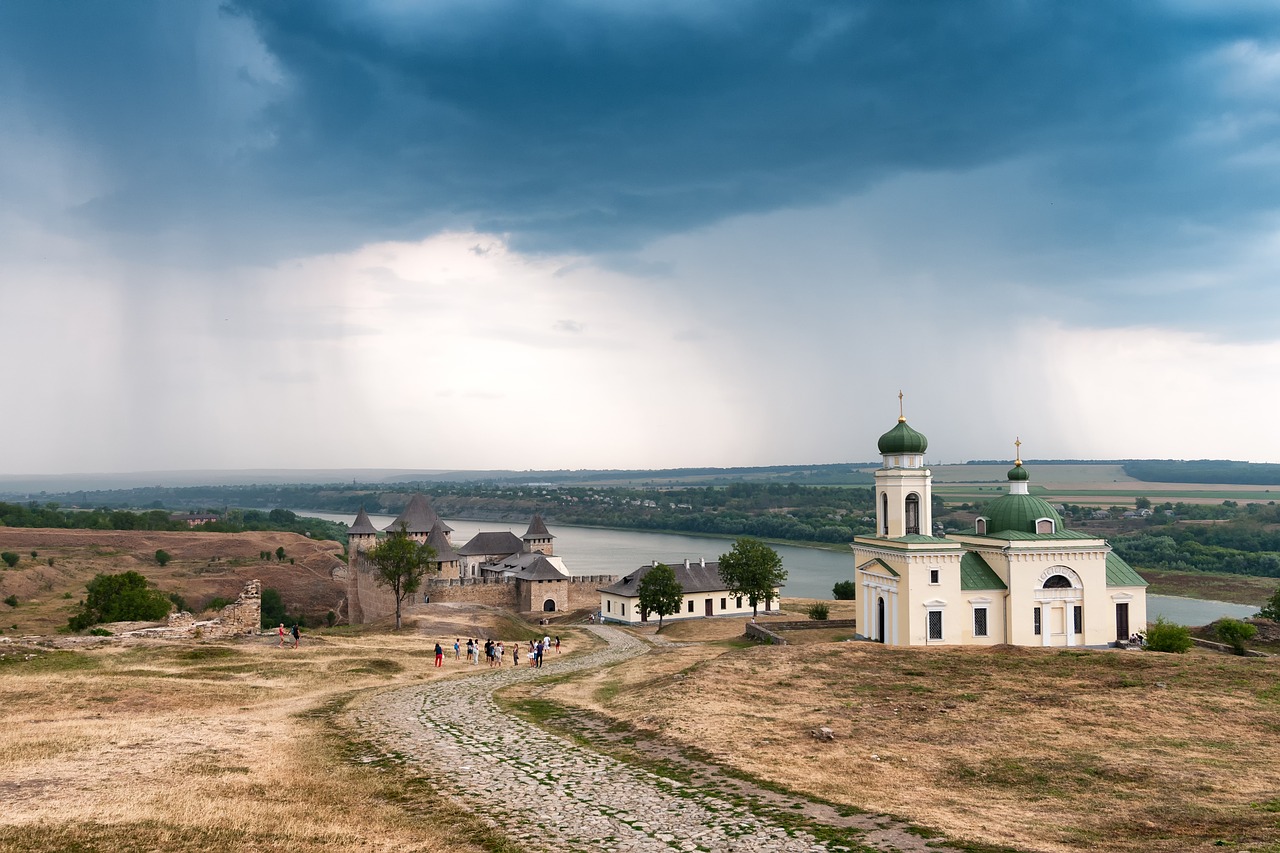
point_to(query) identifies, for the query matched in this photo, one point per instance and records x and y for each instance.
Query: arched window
(913, 513)
(1057, 582)
(980, 527)
(1044, 525)
(884, 514)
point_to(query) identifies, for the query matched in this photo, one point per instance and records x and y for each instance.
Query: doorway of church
(879, 620)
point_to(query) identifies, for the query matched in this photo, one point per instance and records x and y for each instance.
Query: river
(811, 571)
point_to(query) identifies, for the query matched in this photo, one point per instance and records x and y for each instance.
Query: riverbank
(1237, 589)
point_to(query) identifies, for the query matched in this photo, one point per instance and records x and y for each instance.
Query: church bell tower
(904, 487)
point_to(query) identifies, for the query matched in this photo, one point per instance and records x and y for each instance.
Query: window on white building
(724, 604)
(935, 576)
(935, 624)
(739, 602)
(1035, 621)
(1078, 617)
(608, 605)
(624, 608)
(979, 621)
(690, 606)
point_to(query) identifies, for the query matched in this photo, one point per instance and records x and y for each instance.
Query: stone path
(552, 794)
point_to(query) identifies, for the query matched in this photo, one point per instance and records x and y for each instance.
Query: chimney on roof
(686, 562)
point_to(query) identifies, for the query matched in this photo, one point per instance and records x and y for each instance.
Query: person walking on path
(457, 649)
(469, 650)
(498, 654)
(439, 655)
(295, 635)
(282, 635)
(557, 644)
(515, 654)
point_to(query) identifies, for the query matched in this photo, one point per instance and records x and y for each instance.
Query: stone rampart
(240, 617)
(768, 632)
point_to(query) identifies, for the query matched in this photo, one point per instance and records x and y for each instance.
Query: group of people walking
(495, 652)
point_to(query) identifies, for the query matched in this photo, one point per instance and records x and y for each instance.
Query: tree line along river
(811, 572)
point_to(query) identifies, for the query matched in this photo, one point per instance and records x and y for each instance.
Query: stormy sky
(635, 233)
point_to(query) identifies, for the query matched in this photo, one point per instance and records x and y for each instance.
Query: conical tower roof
(439, 542)
(537, 529)
(362, 526)
(418, 517)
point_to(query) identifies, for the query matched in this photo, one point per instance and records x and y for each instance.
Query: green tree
(163, 557)
(280, 554)
(399, 563)
(1271, 610)
(844, 591)
(753, 569)
(660, 592)
(1235, 633)
(11, 559)
(1166, 636)
(819, 612)
(272, 608)
(124, 597)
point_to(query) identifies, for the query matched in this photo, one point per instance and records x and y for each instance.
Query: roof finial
(902, 419)
(1017, 451)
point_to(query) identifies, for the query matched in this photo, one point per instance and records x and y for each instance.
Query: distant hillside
(1204, 471)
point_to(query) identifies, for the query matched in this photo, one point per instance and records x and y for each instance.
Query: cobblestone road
(548, 792)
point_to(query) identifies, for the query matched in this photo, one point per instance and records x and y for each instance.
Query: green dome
(1019, 512)
(1018, 474)
(902, 439)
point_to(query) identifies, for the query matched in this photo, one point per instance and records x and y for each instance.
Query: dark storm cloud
(598, 126)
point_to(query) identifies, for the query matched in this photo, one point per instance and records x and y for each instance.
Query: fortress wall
(493, 594)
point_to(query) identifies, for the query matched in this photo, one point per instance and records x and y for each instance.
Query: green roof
(976, 574)
(1019, 536)
(1018, 474)
(882, 564)
(902, 439)
(920, 539)
(1120, 573)
(1019, 512)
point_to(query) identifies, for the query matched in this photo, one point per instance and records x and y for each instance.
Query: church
(1020, 577)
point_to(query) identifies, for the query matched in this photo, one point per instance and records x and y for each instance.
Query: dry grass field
(1046, 750)
(232, 746)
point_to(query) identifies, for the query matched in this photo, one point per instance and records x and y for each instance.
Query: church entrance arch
(549, 605)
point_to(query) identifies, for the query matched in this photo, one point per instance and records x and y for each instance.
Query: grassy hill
(204, 566)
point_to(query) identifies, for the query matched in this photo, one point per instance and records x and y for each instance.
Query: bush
(179, 602)
(11, 559)
(330, 618)
(99, 632)
(50, 561)
(1166, 636)
(163, 557)
(124, 597)
(1235, 634)
(12, 601)
(35, 554)
(819, 612)
(280, 554)
(844, 591)
(272, 608)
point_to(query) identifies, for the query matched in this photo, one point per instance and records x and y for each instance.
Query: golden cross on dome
(901, 417)
(1017, 452)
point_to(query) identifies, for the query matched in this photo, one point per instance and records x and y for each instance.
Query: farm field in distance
(1084, 484)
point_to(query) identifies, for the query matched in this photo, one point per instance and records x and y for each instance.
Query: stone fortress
(497, 569)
